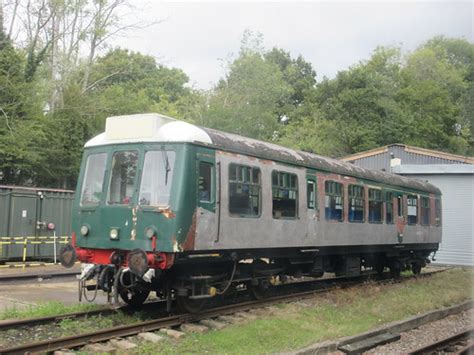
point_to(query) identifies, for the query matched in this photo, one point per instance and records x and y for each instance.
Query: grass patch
(45, 309)
(337, 314)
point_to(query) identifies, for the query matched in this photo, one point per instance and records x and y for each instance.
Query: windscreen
(157, 176)
(93, 179)
(122, 180)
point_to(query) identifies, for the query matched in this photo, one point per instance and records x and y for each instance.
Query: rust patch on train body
(167, 212)
(190, 236)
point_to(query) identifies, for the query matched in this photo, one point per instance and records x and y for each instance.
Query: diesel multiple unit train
(190, 213)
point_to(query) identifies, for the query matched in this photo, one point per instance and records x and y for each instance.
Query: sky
(199, 37)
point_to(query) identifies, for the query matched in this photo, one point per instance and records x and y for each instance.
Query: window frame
(243, 182)
(211, 183)
(288, 187)
(389, 202)
(425, 209)
(104, 188)
(379, 200)
(400, 205)
(438, 212)
(136, 178)
(351, 196)
(410, 198)
(314, 182)
(334, 194)
(170, 178)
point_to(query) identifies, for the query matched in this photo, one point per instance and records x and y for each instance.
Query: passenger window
(333, 200)
(375, 206)
(412, 209)
(400, 205)
(389, 207)
(356, 203)
(124, 170)
(437, 212)
(244, 191)
(285, 195)
(425, 211)
(205, 182)
(311, 196)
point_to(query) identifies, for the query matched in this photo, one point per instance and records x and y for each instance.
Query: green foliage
(261, 90)
(246, 101)
(424, 101)
(19, 112)
(425, 98)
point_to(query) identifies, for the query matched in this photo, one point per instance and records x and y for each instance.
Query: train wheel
(134, 297)
(395, 269)
(190, 305)
(259, 291)
(416, 268)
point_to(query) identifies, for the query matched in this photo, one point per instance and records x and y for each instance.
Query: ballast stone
(193, 328)
(214, 324)
(151, 337)
(231, 319)
(97, 348)
(123, 344)
(172, 333)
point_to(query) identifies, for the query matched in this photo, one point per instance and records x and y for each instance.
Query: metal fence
(29, 242)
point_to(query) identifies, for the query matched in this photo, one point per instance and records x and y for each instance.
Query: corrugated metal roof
(434, 169)
(442, 156)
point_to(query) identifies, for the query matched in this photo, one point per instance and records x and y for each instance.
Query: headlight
(114, 233)
(150, 232)
(84, 230)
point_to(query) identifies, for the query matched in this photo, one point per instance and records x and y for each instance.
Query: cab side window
(205, 182)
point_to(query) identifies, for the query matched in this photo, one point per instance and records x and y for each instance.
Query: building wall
(382, 161)
(458, 210)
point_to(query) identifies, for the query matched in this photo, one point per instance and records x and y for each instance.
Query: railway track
(79, 340)
(460, 343)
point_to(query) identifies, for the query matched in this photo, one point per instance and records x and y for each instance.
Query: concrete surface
(24, 295)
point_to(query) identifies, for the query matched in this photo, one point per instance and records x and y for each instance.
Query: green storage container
(26, 212)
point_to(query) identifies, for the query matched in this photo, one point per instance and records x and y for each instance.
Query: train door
(208, 196)
(400, 216)
(312, 205)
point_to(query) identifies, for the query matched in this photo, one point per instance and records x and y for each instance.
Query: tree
(20, 129)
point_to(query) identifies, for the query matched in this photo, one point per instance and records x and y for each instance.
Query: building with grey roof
(453, 174)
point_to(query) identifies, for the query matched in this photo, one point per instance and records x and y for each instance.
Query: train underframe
(193, 278)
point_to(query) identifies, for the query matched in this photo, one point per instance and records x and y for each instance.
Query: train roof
(142, 128)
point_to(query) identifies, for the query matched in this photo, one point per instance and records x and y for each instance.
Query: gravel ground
(428, 333)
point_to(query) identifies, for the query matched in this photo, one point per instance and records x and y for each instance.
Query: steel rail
(170, 321)
(439, 345)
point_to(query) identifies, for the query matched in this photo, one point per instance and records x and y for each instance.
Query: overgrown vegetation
(45, 309)
(59, 84)
(337, 314)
